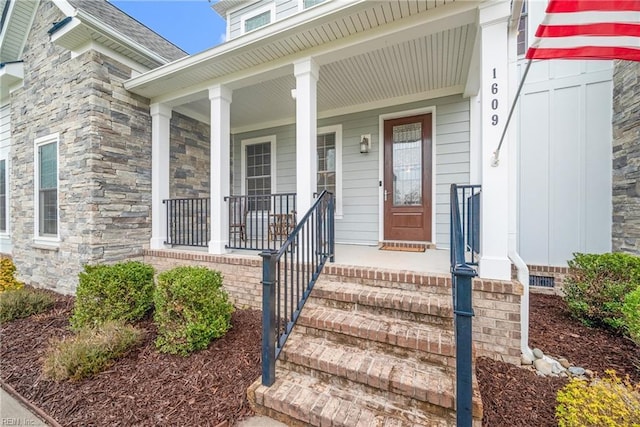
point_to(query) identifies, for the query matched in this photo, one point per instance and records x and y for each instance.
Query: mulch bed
(144, 388)
(150, 389)
(513, 396)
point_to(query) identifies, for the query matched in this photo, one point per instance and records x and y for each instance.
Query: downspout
(514, 256)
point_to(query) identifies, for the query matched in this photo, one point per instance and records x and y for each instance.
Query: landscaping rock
(538, 353)
(577, 371)
(564, 362)
(543, 367)
(526, 360)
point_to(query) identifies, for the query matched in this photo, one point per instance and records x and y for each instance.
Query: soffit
(267, 47)
(16, 27)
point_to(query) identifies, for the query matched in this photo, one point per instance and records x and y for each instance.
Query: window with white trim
(46, 180)
(329, 154)
(522, 29)
(3, 196)
(310, 3)
(258, 171)
(257, 18)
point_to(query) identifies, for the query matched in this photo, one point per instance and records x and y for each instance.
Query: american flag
(589, 29)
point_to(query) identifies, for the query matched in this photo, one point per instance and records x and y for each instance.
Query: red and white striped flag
(589, 29)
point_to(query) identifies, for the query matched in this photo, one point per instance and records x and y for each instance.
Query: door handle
(385, 195)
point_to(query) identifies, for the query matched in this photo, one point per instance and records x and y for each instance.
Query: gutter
(2, 64)
(523, 278)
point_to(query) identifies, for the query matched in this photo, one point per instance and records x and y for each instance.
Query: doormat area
(403, 247)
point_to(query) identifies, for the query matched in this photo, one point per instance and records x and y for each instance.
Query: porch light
(365, 143)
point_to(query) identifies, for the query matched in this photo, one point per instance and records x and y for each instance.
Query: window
(327, 162)
(47, 186)
(329, 150)
(309, 3)
(257, 19)
(258, 170)
(522, 30)
(3, 196)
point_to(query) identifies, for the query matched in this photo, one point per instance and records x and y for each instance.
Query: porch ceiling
(368, 52)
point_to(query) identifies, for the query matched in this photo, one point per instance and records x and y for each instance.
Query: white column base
(494, 268)
(217, 247)
(157, 243)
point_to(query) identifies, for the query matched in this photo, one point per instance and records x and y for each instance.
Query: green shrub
(7, 279)
(23, 302)
(631, 312)
(597, 285)
(605, 402)
(91, 351)
(122, 291)
(191, 309)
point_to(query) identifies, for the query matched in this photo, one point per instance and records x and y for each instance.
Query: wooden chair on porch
(238, 218)
(281, 225)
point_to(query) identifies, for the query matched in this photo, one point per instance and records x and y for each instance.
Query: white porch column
(306, 72)
(160, 143)
(220, 97)
(494, 90)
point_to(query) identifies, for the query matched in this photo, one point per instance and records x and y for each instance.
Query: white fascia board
(247, 41)
(120, 38)
(65, 7)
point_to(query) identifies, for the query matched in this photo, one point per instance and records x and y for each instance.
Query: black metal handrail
(288, 276)
(187, 222)
(260, 222)
(464, 241)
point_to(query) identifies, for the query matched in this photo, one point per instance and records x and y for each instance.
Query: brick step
(305, 400)
(375, 373)
(417, 306)
(397, 279)
(374, 331)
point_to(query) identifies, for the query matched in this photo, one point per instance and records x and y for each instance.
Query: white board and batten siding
(5, 147)
(361, 193)
(565, 161)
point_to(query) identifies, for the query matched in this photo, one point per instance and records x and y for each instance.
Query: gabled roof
(223, 6)
(125, 24)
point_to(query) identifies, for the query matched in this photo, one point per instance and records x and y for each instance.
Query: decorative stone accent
(190, 160)
(626, 158)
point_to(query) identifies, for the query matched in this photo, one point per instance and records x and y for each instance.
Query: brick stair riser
(291, 401)
(427, 284)
(425, 355)
(437, 316)
(418, 399)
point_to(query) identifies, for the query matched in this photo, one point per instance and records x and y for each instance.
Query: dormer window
(257, 19)
(306, 4)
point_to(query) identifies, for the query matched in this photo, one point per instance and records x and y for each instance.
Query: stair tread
(315, 402)
(380, 328)
(412, 378)
(406, 300)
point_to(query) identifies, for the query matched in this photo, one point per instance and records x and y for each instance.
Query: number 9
(494, 119)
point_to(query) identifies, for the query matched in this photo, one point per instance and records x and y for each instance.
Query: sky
(190, 24)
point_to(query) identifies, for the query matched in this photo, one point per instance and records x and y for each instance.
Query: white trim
(301, 7)
(337, 129)
(45, 241)
(243, 161)
(397, 115)
(358, 108)
(92, 45)
(271, 8)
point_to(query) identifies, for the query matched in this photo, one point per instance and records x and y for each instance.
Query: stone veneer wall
(104, 186)
(625, 231)
(496, 325)
(190, 159)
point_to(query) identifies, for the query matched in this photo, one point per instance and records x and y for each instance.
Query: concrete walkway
(13, 413)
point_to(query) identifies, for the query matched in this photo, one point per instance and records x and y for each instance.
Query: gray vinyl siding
(5, 129)
(360, 172)
(235, 20)
(285, 8)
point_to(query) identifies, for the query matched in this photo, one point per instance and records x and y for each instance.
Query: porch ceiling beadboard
(367, 51)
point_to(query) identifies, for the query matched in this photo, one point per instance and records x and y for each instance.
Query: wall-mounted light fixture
(365, 143)
(294, 93)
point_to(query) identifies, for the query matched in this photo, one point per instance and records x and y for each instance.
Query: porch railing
(187, 222)
(288, 276)
(260, 222)
(465, 209)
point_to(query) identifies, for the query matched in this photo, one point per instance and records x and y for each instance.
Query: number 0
(494, 104)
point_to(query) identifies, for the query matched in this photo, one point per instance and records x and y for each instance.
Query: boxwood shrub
(597, 285)
(7, 275)
(122, 291)
(191, 309)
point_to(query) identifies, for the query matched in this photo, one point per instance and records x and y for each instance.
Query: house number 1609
(494, 101)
